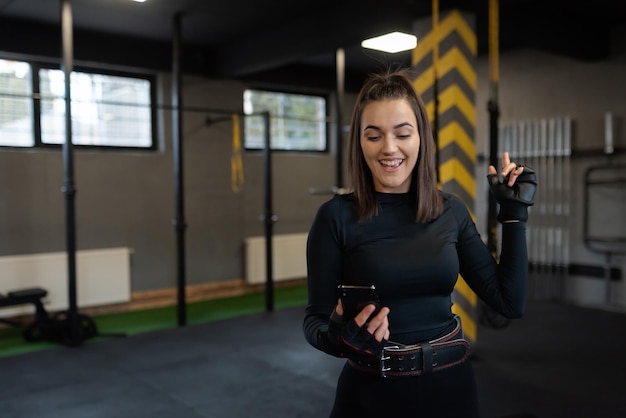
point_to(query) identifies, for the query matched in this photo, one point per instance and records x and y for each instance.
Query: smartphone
(354, 298)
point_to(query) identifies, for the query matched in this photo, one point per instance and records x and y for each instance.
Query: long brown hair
(394, 85)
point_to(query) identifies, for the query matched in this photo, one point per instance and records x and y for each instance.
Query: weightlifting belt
(398, 360)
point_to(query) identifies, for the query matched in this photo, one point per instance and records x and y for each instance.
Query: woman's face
(390, 143)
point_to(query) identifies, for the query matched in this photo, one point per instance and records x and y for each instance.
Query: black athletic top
(414, 266)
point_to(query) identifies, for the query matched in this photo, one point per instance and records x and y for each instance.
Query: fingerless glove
(515, 200)
(347, 339)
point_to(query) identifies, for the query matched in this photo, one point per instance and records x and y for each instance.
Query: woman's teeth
(391, 163)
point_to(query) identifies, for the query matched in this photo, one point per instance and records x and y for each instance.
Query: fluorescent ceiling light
(391, 42)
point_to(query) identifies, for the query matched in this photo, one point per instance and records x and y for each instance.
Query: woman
(406, 352)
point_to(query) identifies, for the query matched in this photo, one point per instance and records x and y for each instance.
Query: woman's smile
(391, 163)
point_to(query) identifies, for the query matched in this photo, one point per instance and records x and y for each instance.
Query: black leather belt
(398, 360)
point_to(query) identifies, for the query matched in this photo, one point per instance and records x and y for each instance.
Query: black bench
(27, 296)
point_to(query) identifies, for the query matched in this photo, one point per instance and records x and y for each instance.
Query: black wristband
(511, 211)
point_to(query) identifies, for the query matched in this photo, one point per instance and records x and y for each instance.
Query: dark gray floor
(557, 362)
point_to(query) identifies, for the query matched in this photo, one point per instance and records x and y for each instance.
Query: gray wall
(535, 85)
(127, 199)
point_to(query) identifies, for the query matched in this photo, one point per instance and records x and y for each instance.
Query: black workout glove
(347, 339)
(514, 201)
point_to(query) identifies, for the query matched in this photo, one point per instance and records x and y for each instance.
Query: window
(16, 105)
(108, 110)
(297, 122)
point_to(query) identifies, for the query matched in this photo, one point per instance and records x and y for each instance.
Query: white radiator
(288, 257)
(102, 277)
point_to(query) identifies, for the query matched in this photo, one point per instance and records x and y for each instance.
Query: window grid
(16, 108)
(108, 110)
(297, 122)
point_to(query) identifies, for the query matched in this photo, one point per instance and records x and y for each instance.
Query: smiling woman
(398, 233)
(402, 120)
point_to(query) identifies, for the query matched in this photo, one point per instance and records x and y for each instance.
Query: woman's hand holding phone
(377, 325)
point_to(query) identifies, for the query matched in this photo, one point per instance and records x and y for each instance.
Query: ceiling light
(139, 1)
(391, 42)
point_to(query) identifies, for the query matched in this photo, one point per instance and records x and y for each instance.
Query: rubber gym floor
(559, 361)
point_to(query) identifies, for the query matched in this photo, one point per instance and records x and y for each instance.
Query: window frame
(36, 66)
(257, 113)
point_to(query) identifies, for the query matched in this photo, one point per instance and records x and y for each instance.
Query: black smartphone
(355, 297)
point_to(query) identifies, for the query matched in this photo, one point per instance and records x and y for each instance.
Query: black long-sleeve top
(414, 266)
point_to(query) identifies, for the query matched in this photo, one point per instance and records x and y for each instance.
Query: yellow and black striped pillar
(444, 62)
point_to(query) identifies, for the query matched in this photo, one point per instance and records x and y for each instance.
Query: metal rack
(604, 225)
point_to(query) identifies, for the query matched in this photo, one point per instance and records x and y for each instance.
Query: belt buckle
(383, 358)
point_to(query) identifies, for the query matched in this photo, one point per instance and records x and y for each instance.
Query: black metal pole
(177, 151)
(435, 124)
(73, 334)
(492, 210)
(494, 114)
(340, 57)
(268, 217)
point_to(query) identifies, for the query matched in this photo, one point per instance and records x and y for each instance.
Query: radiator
(102, 278)
(288, 257)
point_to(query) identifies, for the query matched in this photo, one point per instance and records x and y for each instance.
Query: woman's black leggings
(445, 393)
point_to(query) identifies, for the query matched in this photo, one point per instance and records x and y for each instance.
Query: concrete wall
(535, 85)
(126, 199)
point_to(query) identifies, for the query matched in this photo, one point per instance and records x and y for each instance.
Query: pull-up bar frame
(180, 224)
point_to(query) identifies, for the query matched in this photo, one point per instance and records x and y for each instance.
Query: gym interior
(166, 276)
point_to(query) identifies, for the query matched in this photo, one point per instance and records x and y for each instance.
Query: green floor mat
(131, 323)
